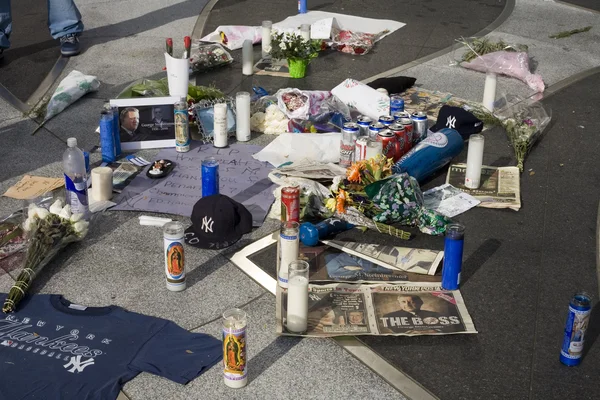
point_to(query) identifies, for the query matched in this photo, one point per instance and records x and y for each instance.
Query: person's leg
(63, 18)
(5, 24)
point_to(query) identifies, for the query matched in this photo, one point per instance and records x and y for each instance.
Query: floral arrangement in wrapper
(524, 123)
(48, 231)
(291, 46)
(401, 201)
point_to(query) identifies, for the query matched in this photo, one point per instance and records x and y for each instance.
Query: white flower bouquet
(48, 231)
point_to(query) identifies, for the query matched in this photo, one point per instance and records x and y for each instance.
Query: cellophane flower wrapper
(12, 236)
(49, 228)
(355, 43)
(524, 121)
(206, 56)
(401, 200)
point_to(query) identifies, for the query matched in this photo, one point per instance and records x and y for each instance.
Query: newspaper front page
(500, 186)
(408, 309)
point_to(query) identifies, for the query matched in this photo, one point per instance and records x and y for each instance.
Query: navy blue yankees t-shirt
(53, 349)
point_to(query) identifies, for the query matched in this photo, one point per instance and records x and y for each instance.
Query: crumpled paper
(401, 200)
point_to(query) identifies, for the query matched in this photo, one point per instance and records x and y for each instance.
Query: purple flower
(395, 206)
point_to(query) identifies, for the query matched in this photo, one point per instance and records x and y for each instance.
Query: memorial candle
(102, 183)
(305, 31)
(220, 125)
(247, 58)
(489, 91)
(266, 38)
(242, 116)
(297, 297)
(474, 161)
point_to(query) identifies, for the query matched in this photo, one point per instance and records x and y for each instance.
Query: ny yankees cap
(218, 221)
(459, 119)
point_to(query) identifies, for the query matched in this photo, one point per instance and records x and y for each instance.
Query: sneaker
(69, 45)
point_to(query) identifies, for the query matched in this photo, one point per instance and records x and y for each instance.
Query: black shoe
(69, 45)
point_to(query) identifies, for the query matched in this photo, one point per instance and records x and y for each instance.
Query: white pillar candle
(247, 58)
(374, 147)
(474, 161)
(242, 116)
(266, 38)
(288, 251)
(489, 91)
(220, 125)
(102, 183)
(305, 31)
(297, 297)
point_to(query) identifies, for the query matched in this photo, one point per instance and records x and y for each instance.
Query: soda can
(235, 360)
(374, 129)
(408, 129)
(402, 114)
(386, 120)
(290, 204)
(350, 132)
(396, 104)
(182, 126)
(400, 133)
(363, 123)
(389, 144)
(419, 120)
(288, 250)
(360, 150)
(173, 233)
(210, 176)
(577, 324)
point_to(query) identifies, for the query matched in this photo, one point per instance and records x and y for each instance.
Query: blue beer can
(577, 324)
(210, 176)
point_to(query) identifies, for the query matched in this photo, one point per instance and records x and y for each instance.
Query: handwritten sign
(241, 177)
(33, 186)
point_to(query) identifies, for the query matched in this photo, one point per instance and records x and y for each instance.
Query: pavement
(521, 267)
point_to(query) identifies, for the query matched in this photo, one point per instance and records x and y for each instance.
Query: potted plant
(295, 49)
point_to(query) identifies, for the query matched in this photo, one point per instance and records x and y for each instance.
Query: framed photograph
(146, 122)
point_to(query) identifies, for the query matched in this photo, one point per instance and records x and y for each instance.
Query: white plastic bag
(293, 103)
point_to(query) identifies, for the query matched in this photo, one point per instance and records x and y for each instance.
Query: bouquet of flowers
(290, 46)
(524, 123)
(48, 231)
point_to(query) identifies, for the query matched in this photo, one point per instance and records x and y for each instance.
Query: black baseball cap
(459, 119)
(218, 221)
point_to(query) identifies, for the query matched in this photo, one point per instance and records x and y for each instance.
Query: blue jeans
(63, 19)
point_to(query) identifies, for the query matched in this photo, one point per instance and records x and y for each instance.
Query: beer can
(173, 233)
(400, 133)
(401, 114)
(408, 129)
(577, 324)
(389, 143)
(350, 132)
(360, 150)
(374, 129)
(235, 353)
(386, 120)
(182, 126)
(419, 120)
(363, 123)
(290, 204)
(396, 104)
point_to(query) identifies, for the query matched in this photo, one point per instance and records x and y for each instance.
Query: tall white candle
(220, 125)
(289, 248)
(297, 304)
(489, 91)
(305, 31)
(266, 38)
(242, 116)
(102, 183)
(247, 58)
(474, 161)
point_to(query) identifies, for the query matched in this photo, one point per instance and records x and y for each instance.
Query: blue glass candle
(210, 177)
(453, 254)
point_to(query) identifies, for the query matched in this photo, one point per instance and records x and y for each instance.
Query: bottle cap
(72, 142)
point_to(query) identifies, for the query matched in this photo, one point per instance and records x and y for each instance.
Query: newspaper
(409, 309)
(448, 200)
(311, 170)
(331, 264)
(419, 261)
(500, 186)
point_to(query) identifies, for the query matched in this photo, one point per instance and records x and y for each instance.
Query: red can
(400, 133)
(391, 147)
(290, 204)
(408, 128)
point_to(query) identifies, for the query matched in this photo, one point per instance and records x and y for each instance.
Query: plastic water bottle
(75, 178)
